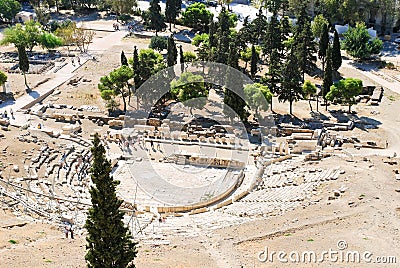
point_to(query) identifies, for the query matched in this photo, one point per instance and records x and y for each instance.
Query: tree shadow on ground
(363, 123)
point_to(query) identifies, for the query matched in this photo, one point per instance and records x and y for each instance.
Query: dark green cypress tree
(336, 55)
(327, 80)
(323, 45)
(23, 62)
(172, 52)
(231, 99)
(273, 76)
(254, 61)
(124, 60)
(304, 45)
(291, 81)
(223, 37)
(136, 69)
(172, 10)
(156, 18)
(181, 59)
(108, 241)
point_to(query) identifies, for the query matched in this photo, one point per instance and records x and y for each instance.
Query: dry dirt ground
(366, 216)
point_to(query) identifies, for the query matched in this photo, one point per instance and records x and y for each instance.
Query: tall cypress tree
(254, 61)
(156, 18)
(291, 81)
(223, 37)
(136, 68)
(327, 80)
(304, 45)
(323, 45)
(172, 10)
(181, 59)
(124, 60)
(336, 55)
(172, 52)
(109, 241)
(23, 63)
(231, 99)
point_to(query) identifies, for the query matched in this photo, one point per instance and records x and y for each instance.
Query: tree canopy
(116, 84)
(258, 96)
(190, 90)
(197, 16)
(345, 90)
(358, 44)
(158, 43)
(8, 9)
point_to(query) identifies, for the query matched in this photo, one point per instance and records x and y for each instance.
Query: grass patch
(288, 234)
(157, 259)
(12, 241)
(391, 98)
(146, 250)
(48, 261)
(310, 240)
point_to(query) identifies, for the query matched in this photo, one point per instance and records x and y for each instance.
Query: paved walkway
(392, 83)
(64, 74)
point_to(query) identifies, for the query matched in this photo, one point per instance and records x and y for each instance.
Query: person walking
(66, 231)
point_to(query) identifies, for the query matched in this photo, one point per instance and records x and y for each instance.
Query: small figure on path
(72, 232)
(79, 60)
(73, 62)
(66, 231)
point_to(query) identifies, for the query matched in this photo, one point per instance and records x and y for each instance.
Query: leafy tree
(50, 41)
(116, 84)
(254, 60)
(15, 35)
(23, 63)
(108, 241)
(291, 81)
(202, 42)
(3, 78)
(327, 79)
(43, 16)
(357, 42)
(336, 54)
(345, 90)
(236, 103)
(258, 96)
(33, 31)
(172, 52)
(66, 33)
(82, 38)
(190, 90)
(172, 10)
(309, 90)
(158, 43)
(122, 7)
(8, 9)
(318, 25)
(189, 56)
(124, 60)
(197, 16)
(155, 19)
